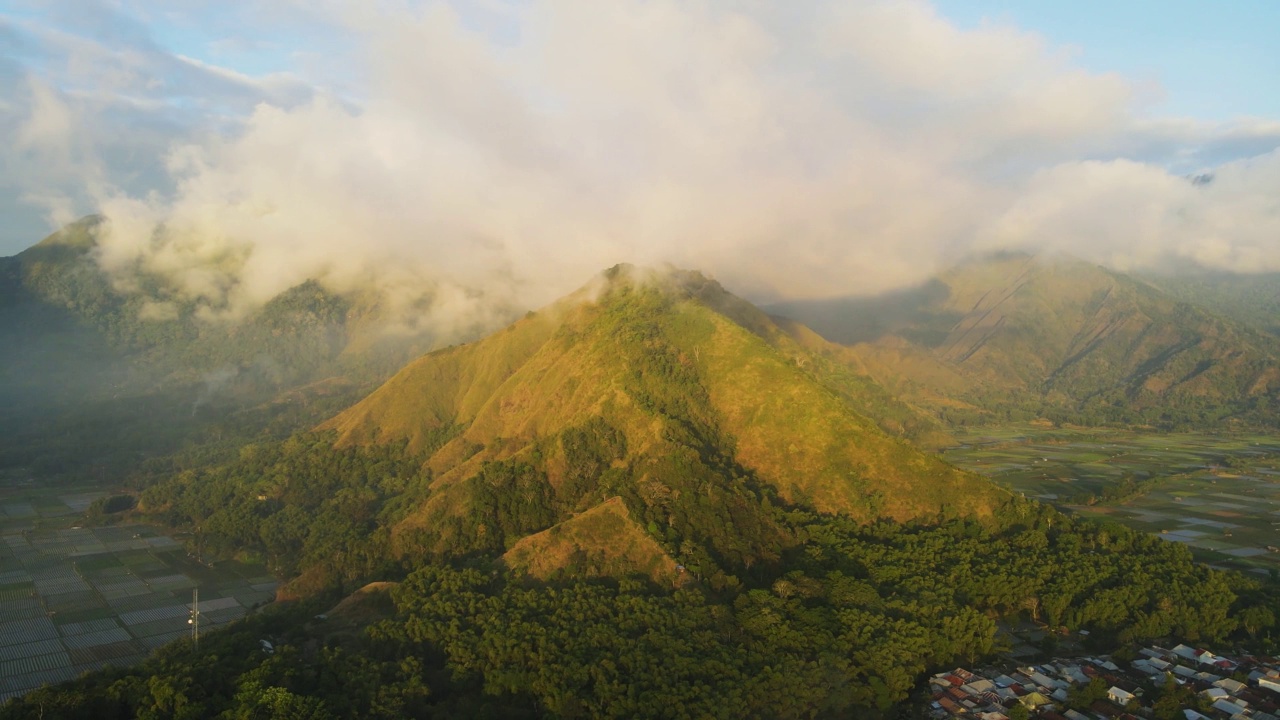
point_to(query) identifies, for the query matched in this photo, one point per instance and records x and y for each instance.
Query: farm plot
(75, 599)
(1219, 495)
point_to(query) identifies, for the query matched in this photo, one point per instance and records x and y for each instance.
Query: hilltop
(1020, 337)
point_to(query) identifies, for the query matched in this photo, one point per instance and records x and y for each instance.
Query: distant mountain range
(1019, 337)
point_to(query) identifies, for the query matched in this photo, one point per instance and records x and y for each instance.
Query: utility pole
(194, 622)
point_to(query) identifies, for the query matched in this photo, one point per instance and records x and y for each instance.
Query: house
(1144, 667)
(1269, 683)
(1045, 681)
(1216, 694)
(1228, 707)
(1034, 700)
(1072, 674)
(1186, 652)
(1075, 715)
(978, 686)
(1118, 696)
(1230, 685)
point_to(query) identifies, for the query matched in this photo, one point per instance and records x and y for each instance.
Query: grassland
(1218, 494)
(74, 599)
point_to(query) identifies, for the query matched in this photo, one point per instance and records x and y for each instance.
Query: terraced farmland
(1220, 495)
(74, 599)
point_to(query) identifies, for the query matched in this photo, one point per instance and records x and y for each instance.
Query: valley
(1219, 494)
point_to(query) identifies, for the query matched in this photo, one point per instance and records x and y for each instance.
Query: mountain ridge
(1024, 336)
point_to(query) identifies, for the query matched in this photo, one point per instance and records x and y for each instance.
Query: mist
(499, 155)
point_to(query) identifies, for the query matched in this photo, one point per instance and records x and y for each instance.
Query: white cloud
(793, 150)
(1131, 216)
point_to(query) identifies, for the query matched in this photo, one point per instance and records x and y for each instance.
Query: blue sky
(1214, 60)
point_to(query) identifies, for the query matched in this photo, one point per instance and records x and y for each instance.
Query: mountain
(661, 388)
(96, 369)
(1016, 336)
(1252, 300)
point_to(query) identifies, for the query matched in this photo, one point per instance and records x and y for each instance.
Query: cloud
(94, 101)
(1131, 215)
(500, 154)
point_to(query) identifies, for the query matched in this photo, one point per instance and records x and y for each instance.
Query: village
(1183, 682)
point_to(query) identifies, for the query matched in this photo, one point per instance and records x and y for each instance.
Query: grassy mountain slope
(603, 541)
(665, 390)
(1020, 335)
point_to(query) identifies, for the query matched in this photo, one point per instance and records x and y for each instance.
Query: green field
(1218, 494)
(74, 598)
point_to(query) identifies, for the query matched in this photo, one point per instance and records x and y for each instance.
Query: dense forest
(845, 623)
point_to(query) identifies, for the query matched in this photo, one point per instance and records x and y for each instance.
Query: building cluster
(1222, 688)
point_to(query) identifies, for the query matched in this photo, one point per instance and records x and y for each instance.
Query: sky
(508, 149)
(1212, 61)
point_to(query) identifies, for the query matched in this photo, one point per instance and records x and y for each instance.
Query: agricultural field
(1218, 494)
(74, 599)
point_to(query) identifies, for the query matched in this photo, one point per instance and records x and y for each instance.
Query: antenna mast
(194, 622)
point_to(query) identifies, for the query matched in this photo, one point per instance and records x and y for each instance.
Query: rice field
(75, 599)
(1219, 495)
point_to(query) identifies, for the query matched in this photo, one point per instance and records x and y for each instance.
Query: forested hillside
(1252, 300)
(842, 625)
